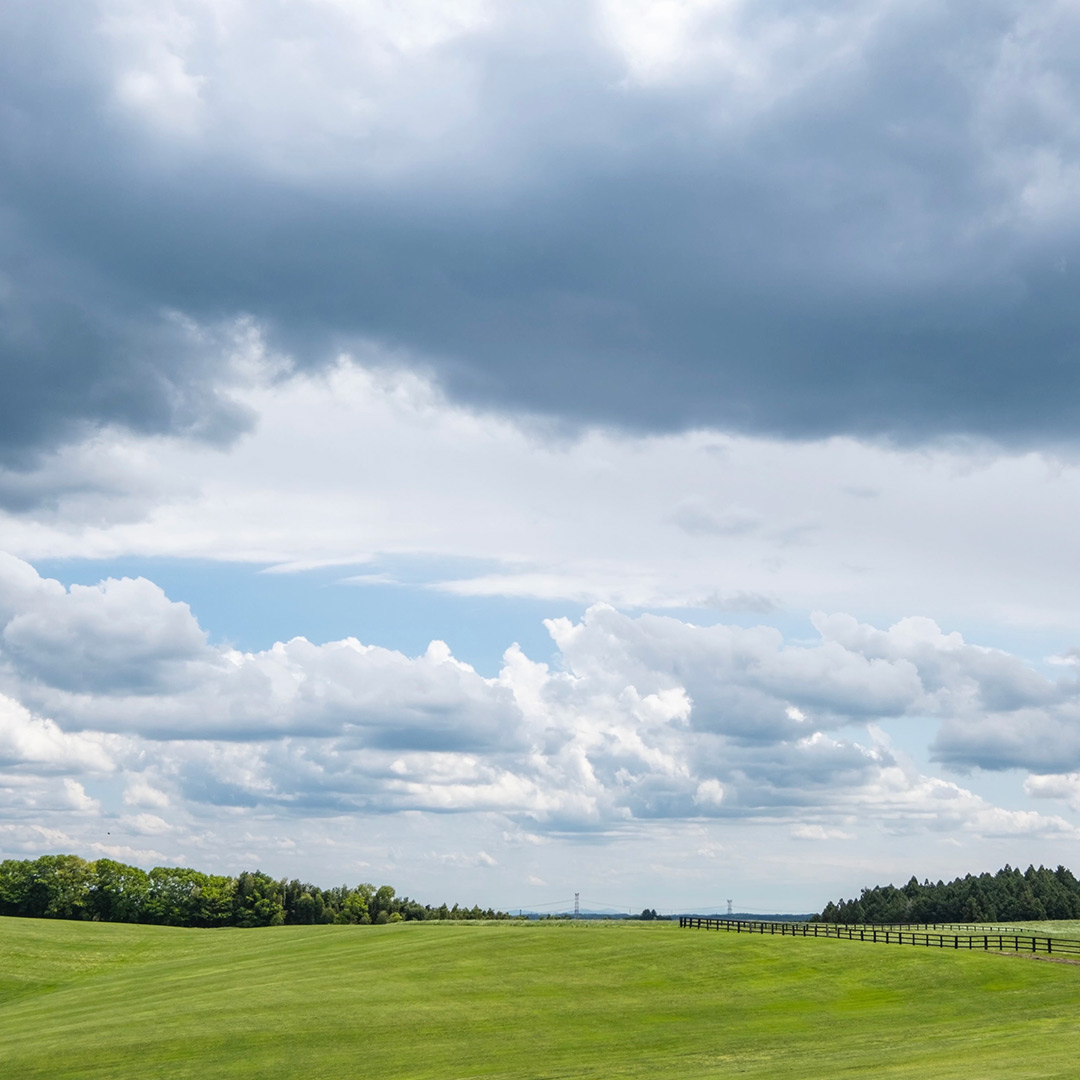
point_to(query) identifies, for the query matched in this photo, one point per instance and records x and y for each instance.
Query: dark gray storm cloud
(873, 232)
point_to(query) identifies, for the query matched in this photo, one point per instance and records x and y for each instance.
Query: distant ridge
(747, 916)
(710, 914)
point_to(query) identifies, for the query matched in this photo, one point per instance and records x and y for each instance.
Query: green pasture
(499, 1000)
(1063, 928)
(1066, 928)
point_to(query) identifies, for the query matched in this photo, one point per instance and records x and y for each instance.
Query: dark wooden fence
(931, 936)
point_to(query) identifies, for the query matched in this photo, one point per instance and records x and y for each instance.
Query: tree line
(1010, 895)
(68, 887)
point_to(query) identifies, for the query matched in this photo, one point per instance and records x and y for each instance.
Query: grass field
(1065, 928)
(93, 1000)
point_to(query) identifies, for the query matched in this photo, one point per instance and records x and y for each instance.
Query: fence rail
(892, 935)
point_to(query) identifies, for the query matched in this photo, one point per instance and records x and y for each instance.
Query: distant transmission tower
(577, 905)
(730, 910)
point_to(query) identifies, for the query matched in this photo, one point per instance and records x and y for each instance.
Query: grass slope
(495, 1000)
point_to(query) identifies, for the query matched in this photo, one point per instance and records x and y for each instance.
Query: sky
(625, 448)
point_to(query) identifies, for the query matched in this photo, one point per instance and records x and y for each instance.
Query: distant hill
(744, 915)
(748, 916)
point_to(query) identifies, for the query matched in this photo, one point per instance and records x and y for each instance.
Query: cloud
(76, 797)
(120, 636)
(842, 218)
(359, 468)
(819, 832)
(461, 858)
(123, 657)
(128, 854)
(140, 792)
(709, 793)
(699, 520)
(28, 740)
(148, 824)
(638, 719)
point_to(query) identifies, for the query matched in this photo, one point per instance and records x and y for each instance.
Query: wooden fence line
(891, 935)
(988, 928)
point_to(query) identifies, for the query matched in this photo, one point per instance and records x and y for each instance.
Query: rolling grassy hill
(95, 1000)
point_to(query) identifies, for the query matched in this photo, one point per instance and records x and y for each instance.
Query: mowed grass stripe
(511, 1000)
